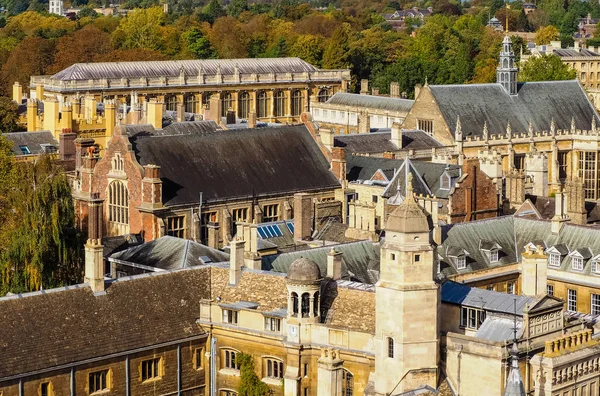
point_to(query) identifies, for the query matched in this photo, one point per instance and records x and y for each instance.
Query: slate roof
(360, 260)
(379, 142)
(33, 140)
(538, 102)
(512, 234)
(371, 102)
(457, 293)
(169, 252)
(426, 179)
(175, 128)
(498, 328)
(172, 68)
(134, 312)
(236, 164)
(571, 52)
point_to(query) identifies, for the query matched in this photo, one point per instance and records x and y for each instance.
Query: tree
(198, 45)
(39, 243)
(546, 68)
(236, 7)
(546, 34)
(9, 115)
(250, 384)
(212, 11)
(308, 48)
(84, 45)
(337, 52)
(31, 57)
(140, 29)
(131, 55)
(228, 38)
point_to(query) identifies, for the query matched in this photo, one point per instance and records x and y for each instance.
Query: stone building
(192, 181)
(546, 130)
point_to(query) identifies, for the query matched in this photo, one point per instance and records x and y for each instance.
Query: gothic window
(273, 368)
(390, 346)
(206, 98)
(519, 161)
(190, 103)
(280, 103)
(347, 383)
(226, 103)
(588, 172)
(323, 95)
(117, 163)
(244, 105)
(262, 105)
(305, 305)
(562, 165)
(296, 103)
(316, 304)
(505, 64)
(445, 182)
(118, 208)
(171, 102)
(228, 359)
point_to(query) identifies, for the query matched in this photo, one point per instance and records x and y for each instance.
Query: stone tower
(407, 303)
(506, 73)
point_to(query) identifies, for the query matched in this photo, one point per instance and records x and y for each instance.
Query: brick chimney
(67, 145)
(81, 150)
(152, 187)
(302, 216)
(338, 163)
(213, 234)
(334, 264)
(94, 260)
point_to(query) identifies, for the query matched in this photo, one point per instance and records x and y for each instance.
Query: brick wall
(474, 198)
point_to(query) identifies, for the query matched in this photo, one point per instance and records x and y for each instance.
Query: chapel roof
(370, 102)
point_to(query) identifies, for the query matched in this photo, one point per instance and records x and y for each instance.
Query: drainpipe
(72, 381)
(20, 386)
(213, 366)
(178, 369)
(127, 385)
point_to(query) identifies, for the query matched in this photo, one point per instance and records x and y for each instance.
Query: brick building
(192, 181)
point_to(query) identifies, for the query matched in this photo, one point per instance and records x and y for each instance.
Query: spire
(458, 131)
(508, 131)
(507, 8)
(593, 123)
(552, 127)
(514, 381)
(506, 73)
(485, 131)
(573, 128)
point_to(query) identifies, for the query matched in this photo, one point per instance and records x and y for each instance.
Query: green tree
(212, 11)
(39, 244)
(9, 115)
(308, 48)
(250, 384)
(546, 68)
(140, 29)
(337, 52)
(198, 45)
(236, 7)
(546, 34)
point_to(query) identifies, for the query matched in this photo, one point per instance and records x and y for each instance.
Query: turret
(506, 73)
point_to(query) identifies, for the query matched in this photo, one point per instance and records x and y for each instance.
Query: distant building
(529, 8)
(56, 7)
(495, 23)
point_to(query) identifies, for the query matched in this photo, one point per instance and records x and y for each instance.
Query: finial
(573, 129)
(552, 127)
(508, 130)
(593, 123)
(507, 8)
(458, 128)
(409, 185)
(485, 131)
(426, 84)
(530, 128)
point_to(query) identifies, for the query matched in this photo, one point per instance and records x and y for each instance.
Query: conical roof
(514, 382)
(408, 217)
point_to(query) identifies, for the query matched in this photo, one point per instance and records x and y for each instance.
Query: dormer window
(461, 262)
(577, 263)
(494, 256)
(595, 267)
(554, 260)
(445, 181)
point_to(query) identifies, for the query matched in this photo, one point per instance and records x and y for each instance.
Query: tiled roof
(235, 164)
(457, 293)
(379, 142)
(538, 102)
(32, 141)
(115, 70)
(68, 325)
(370, 102)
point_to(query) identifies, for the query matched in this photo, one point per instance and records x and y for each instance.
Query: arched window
(505, 64)
(244, 105)
(323, 95)
(347, 383)
(296, 103)
(228, 359)
(305, 305)
(295, 304)
(226, 103)
(171, 102)
(279, 99)
(262, 107)
(390, 346)
(316, 304)
(190, 103)
(273, 368)
(206, 98)
(118, 208)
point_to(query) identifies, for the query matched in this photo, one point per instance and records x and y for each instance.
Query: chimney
(76, 105)
(94, 261)
(151, 187)
(338, 164)
(110, 117)
(534, 272)
(81, 149)
(215, 109)
(327, 138)
(17, 92)
(154, 114)
(396, 138)
(559, 212)
(364, 87)
(66, 121)
(576, 44)
(66, 143)
(236, 260)
(32, 115)
(253, 260)
(51, 116)
(575, 203)
(251, 119)
(375, 91)
(334, 264)
(180, 112)
(39, 92)
(213, 234)
(90, 107)
(418, 90)
(302, 216)
(394, 90)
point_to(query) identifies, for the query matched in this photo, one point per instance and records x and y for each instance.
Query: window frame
(151, 369)
(572, 300)
(390, 348)
(273, 368)
(228, 359)
(510, 287)
(272, 324)
(550, 290)
(347, 383)
(461, 262)
(198, 358)
(594, 305)
(175, 226)
(105, 374)
(471, 318)
(577, 263)
(230, 316)
(554, 260)
(270, 212)
(494, 256)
